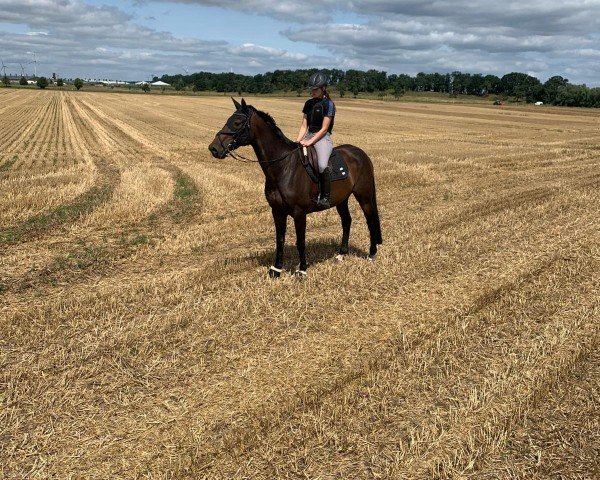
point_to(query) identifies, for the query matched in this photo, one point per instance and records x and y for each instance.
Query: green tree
(23, 81)
(59, 82)
(42, 82)
(179, 85)
(551, 87)
(5, 81)
(519, 85)
(78, 83)
(145, 87)
(398, 90)
(491, 83)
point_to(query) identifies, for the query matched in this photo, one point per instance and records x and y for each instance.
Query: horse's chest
(273, 196)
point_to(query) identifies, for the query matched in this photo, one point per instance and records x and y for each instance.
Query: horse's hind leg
(368, 203)
(344, 213)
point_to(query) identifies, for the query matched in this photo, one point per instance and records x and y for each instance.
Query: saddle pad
(337, 165)
(339, 169)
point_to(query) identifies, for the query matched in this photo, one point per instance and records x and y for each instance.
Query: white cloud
(549, 37)
(77, 38)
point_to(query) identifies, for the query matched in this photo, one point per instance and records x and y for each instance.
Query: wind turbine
(3, 67)
(34, 61)
(22, 70)
(185, 69)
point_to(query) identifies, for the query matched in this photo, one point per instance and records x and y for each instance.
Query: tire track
(35, 227)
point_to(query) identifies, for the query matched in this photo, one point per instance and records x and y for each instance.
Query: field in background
(409, 96)
(140, 338)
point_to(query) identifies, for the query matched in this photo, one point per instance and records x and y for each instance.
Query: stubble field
(140, 337)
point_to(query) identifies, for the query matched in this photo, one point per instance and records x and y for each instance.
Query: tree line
(556, 90)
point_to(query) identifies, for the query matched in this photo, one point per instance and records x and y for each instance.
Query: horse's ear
(244, 106)
(236, 103)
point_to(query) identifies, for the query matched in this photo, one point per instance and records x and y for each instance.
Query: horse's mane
(269, 119)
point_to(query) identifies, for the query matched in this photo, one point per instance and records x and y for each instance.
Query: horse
(289, 189)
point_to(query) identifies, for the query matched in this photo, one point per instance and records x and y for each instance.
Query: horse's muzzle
(215, 152)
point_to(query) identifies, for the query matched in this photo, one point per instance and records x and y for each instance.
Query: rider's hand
(305, 143)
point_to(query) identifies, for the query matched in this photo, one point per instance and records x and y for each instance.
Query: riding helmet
(317, 80)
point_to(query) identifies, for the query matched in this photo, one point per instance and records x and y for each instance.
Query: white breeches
(324, 147)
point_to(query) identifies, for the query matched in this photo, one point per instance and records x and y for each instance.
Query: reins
(243, 159)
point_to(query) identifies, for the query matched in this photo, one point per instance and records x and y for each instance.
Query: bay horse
(289, 189)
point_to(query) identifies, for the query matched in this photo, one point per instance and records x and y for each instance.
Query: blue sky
(134, 39)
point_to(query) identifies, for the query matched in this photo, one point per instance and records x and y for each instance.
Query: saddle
(337, 165)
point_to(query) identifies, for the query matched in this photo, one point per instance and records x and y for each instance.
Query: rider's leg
(324, 147)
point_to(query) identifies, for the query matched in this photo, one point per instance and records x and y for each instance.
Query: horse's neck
(269, 150)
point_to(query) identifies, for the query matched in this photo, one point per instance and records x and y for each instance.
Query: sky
(138, 39)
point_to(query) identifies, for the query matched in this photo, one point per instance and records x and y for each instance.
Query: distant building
(160, 84)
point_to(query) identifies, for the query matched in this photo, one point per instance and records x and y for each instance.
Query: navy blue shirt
(316, 109)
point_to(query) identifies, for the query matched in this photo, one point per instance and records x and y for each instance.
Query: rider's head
(318, 85)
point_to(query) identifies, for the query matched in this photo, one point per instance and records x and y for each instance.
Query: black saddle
(337, 165)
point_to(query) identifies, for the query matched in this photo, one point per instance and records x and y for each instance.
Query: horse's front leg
(280, 219)
(300, 224)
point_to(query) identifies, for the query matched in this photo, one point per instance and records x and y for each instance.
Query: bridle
(241, 137)
(237, 135)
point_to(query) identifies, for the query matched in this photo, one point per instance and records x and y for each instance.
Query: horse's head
(235, 133)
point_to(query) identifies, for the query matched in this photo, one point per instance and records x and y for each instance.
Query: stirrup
(324, 202)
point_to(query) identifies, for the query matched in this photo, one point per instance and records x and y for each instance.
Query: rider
(317, 124)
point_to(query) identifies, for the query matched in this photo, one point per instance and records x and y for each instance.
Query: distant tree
(421, 82)
(5, 81)
(59, 82)
(78, 83)
(551, 87)
(42, 82)
(520, 85)
(477, 86)
(146, 88)
(398, 90)
(491, 83)
(355, 80)
(342, 88)
(23, 81)
(179, 85)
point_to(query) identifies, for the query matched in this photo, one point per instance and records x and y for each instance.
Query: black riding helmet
(317, 80)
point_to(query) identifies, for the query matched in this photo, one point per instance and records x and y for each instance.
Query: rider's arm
(303, 128)
(321, 133)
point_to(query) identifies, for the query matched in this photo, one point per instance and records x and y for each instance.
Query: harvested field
(140, 337)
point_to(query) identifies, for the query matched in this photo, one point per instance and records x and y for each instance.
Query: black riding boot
(324, 189)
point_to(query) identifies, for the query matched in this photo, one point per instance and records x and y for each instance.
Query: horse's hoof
(340, 257)
(274, 272)
(300, 274)
(371, 258)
